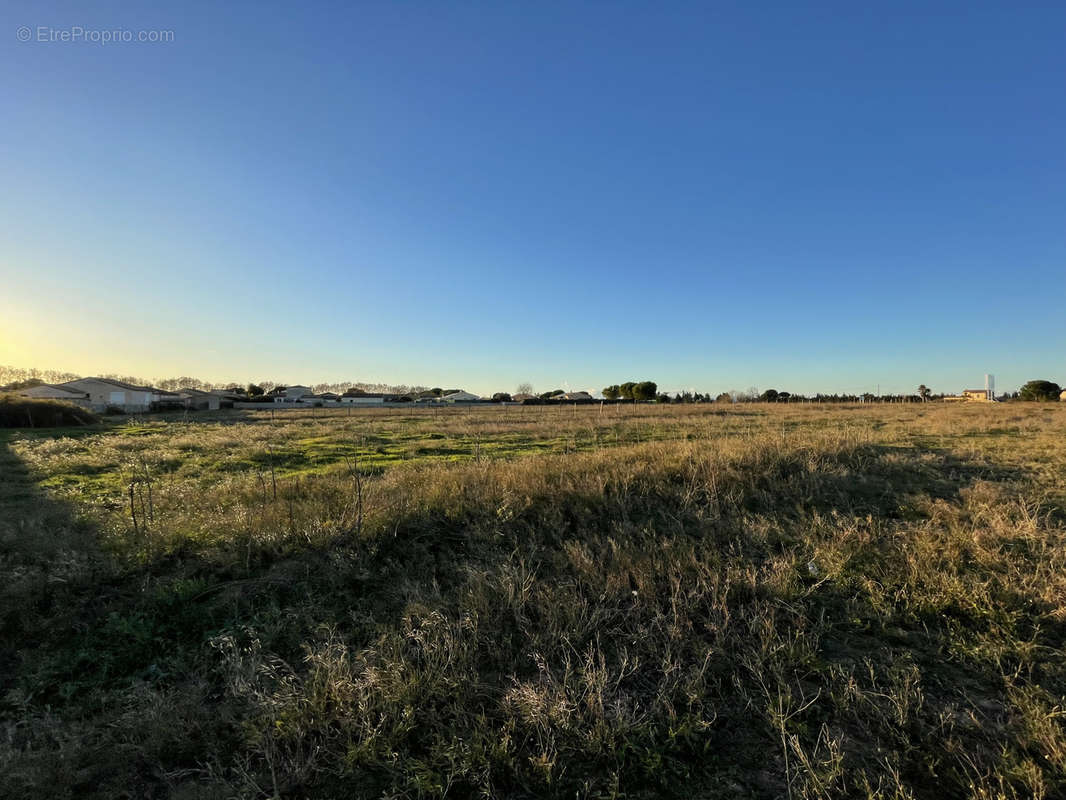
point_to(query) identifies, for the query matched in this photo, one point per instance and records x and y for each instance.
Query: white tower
(990, 387)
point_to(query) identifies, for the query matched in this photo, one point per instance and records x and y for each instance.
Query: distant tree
(436, 391)
(254, 390)
(663, 398)
(524, 388)
(783, 397)
(1040, 391)
(551, 394)
(625, 391)
(645, 390)
(612, 392)
(769, 396)
(724, 397)
(924, 392)
(501, 397)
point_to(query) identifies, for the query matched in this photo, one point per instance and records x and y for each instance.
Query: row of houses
(103, 394)
(305, 396)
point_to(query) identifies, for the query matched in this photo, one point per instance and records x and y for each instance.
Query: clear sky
(709, 195)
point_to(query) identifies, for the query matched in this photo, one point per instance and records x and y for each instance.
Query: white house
(356, 397)
(292, 394)
(104, 392)
(573, 396)
(460, 397)
(47, 391)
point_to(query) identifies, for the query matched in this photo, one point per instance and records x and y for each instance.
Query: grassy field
(653, 601)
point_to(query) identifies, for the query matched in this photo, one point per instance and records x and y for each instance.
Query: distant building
(460, 397)
(291, 394)
(227, 397)
(105, 392)
(360, 398)
(573, 396)
(968, 396)
(199, 399)
(47, 391)
(521, 398)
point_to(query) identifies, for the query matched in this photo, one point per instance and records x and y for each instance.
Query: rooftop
(120, 384)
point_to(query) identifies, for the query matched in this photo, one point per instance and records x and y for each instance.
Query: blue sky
(717, 196)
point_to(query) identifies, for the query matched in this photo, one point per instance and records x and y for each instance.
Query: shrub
(23, 412)
(167, 405)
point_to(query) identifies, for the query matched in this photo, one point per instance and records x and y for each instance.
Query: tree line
(13, 378)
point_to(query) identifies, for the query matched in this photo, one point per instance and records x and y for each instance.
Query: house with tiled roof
(47, 391)
(104, 393)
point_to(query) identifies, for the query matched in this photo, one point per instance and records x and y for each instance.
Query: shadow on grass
(100, 631)
(47, 559)
(89, 645)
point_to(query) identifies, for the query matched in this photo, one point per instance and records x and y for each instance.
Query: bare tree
(524, 388)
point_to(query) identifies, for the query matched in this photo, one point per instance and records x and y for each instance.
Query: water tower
(990, 388)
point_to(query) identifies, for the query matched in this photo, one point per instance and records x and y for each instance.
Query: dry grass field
(655, 601)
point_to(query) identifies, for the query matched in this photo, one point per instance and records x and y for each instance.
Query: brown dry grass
(768, 602)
